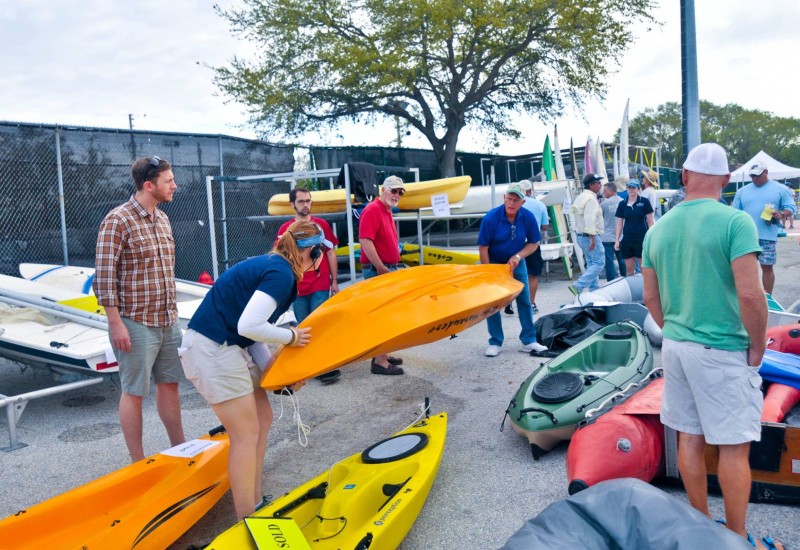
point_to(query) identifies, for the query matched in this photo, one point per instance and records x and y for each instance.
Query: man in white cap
(705, 295)
(509, 234)
(380, 251)
(767, 202)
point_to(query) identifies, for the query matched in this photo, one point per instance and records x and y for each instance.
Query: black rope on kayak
(341, 519)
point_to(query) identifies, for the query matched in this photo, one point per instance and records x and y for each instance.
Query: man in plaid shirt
(135, 282)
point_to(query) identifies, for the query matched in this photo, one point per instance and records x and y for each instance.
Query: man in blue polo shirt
(508, 235)
(767, 202)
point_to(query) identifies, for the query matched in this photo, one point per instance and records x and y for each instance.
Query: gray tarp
(623, 514)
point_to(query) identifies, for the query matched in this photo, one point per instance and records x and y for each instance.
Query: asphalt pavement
(488, 483)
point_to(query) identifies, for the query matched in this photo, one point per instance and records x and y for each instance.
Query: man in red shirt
(316, 286)
(380, 251)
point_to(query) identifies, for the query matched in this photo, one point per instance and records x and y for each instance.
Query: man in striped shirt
(135, 282)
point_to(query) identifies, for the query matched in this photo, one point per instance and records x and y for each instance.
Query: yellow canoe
(418, 195)
(398, 310)
(148, 504)
(361, 502)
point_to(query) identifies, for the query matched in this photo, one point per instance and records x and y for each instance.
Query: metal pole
(222, 208)
(348, 205)
(690, 107)
(211, 229)
(61, 210)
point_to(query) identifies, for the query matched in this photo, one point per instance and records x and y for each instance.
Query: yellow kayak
(148, 504)
(418, 195)
(368, 500)
(434, 256)
(409, 255)
(398, 310)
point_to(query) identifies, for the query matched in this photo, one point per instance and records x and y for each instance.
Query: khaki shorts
(220, 372)
(154, 353)
(711, 392)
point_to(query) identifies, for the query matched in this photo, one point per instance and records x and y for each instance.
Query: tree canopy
(439, 65)
(742, 132)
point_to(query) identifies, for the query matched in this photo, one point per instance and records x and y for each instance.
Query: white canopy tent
(777, 170)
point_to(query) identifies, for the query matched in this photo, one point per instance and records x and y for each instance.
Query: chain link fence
(58, 183)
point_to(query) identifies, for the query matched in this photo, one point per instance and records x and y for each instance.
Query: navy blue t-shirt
(217, 317)
(635, 219)
(505, 239)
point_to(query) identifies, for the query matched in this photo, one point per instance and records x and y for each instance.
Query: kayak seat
(618, 334)
(558, 387)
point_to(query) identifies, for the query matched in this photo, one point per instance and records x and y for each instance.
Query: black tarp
(566, 327)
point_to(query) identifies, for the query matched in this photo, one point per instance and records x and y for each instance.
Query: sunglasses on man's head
(398, 191)
(155, 161)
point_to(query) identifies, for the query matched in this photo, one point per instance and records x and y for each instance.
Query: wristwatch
(517, 256)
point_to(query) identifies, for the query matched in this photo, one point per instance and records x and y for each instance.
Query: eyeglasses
(299, 201)
(155, 161)
(398, 191)
(513, 232)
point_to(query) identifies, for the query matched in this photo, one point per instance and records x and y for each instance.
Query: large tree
(742, 132)
(440, 65)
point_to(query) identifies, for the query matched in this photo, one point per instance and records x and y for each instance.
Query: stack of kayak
(627, 440)
(555, 397)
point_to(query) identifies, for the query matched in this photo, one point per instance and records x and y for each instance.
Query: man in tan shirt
(589, 226)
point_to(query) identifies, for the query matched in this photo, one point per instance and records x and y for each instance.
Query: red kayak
(627, 441)
(784, 338)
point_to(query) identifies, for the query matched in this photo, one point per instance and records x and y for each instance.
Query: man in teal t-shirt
(701, 280)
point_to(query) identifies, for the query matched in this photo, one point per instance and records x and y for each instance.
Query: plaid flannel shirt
(135, 265)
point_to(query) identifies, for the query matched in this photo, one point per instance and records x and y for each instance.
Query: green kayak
(555, 397)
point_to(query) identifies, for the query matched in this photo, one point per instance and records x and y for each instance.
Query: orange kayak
(148, 504)
(398, 310)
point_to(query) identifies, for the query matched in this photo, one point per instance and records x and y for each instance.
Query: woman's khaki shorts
(219, 372)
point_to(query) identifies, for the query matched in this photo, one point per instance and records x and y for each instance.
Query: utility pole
(690, 104)
(130, 120)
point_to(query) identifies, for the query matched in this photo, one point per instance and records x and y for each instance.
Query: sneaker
(533, 346)
(534, 309)
(492, 351)
(509, 310)
(574, 289)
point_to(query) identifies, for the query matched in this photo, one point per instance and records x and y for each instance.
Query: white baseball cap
(708, 158)
(757, 168)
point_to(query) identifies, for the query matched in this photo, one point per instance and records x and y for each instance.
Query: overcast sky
(94, 62)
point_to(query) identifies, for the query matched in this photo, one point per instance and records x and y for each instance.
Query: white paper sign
(441, 205)
(190, 448)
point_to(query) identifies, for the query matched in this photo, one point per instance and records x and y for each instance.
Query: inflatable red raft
(628, 440)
